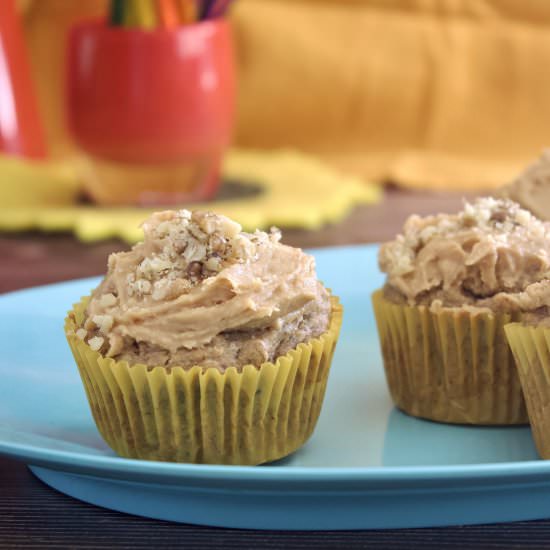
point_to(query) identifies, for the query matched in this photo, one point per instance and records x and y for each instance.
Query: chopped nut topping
(81, 333)
(194, 270)
(492, 254)
(96, 342)
(103, 322)
(183, 248)
(116, 343)
(142, 286)
(494, 218)
(213, 263)
(108, 300)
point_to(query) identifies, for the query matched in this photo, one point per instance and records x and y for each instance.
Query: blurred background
(334, 119)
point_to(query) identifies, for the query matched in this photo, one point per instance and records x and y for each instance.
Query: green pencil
(116, 17)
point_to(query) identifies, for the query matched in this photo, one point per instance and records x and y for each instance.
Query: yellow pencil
(140, 13)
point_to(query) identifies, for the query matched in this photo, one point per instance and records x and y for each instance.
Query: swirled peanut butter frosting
(493, 254)
(199, 291)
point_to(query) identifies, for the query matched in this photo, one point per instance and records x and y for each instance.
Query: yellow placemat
(297, 190)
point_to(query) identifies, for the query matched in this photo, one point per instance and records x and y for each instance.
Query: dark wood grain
(34, 516)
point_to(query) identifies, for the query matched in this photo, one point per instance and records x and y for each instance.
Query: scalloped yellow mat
(297, 190)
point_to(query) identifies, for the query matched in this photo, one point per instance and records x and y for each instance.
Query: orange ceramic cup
(153, 109)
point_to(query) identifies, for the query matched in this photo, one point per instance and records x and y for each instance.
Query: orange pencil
(187, 11)
(168, 13)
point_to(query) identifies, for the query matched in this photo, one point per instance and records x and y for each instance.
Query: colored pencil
(187, 11)
(150, 14)
(168, 13)
(145, 13)
(116, 15)
(129, 14)
(219, 8)
(206, 8)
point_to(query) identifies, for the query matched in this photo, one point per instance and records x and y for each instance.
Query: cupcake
(205, 344)
(530, 344)
(453, 282)
(531, 188)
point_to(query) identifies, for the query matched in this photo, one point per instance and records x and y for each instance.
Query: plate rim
(94, 464)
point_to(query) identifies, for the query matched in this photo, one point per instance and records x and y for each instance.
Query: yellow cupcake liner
(243, 416)
(531, 348)
(450, 366)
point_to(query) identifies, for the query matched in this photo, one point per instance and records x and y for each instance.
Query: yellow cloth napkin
(440, 94)
(296, 191)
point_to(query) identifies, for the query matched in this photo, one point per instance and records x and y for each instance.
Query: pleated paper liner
(201, 415)
(451, 366)
(531, 348)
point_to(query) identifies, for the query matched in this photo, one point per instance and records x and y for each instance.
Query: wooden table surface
(35, 516)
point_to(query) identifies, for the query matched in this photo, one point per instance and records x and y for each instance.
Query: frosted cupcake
(206, 344)
(530, 344)
(531, 188)
(453, 282)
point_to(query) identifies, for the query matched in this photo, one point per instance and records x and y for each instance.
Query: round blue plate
(366, 466)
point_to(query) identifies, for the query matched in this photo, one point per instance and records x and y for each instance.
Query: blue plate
(366, 466)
